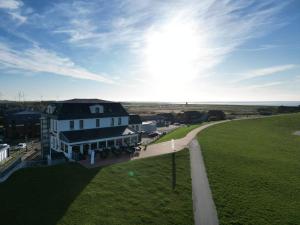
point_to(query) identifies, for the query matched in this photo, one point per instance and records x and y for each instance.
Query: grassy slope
(177, 133)
(253, 168)
(136, 192)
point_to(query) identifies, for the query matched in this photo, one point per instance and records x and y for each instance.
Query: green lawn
(135, 192)
(177, 133)
(254, 170)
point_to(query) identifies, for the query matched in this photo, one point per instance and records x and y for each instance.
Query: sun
(172, 51)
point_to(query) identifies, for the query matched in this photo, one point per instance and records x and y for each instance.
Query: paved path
(205, 212)
(179, 144)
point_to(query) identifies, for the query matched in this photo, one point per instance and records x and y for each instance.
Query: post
(69, 151)
(173, 171)
(173, 165)
(92, 157)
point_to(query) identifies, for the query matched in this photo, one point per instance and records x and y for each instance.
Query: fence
(9, 166)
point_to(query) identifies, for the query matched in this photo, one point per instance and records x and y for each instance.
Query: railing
(9, 165)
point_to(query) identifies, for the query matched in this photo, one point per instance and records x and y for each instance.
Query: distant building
(214, 115)
(21, 125)
(4, 152)
(149, 126)
(85, 126)
(189, 117)
(135, 122)
(160, 119)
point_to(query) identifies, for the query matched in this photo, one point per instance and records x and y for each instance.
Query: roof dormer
(95, 109)
(50, 109)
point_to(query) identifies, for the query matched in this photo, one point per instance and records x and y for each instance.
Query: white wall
(64, 125)
(3, 154)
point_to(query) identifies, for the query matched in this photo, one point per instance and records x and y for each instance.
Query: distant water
(262, 103)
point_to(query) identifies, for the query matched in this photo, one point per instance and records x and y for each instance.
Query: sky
(149, 50)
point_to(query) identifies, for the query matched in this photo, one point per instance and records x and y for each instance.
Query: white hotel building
(85, 126)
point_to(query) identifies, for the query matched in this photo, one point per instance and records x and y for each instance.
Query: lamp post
(173, 165)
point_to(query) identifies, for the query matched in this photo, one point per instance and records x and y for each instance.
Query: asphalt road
(205, 212)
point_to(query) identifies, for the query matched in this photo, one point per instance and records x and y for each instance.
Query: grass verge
(253, 169)
(135, 192)
(178, 133)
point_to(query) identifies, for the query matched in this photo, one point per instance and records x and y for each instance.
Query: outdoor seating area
(110, 156)
(104, 153)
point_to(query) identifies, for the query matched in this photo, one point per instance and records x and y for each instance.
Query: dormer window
(50, 109)
(96, 109)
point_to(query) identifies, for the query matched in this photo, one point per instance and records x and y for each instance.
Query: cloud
(10, 4)
(264, 72)
(37, 59)
(14, 8)
(270, 84)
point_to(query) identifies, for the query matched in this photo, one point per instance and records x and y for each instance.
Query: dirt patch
(297, 133)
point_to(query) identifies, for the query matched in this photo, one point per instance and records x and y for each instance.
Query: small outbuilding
(149, 126)
(4, 152)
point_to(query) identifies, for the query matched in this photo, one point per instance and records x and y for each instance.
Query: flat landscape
(149, 108)
(253, 169)
(135, 192)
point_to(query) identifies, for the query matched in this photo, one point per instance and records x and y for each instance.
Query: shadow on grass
(42, 195)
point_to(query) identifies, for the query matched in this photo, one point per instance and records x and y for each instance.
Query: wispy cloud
(265, 85)
(262, 72)
(37, 59)
(14, 8)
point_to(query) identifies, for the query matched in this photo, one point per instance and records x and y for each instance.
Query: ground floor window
(119, 142)
(111, 143)
(76, 148)
(102, 144)
(94, 146)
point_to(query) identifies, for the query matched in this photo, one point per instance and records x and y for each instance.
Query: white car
(4, 145)
(21, 145)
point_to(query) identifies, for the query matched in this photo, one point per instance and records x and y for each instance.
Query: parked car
(153, 134)
(21, 146)
(4, 145)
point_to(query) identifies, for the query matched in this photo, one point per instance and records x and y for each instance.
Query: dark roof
(22, 117)
(94, 134)
(27, 113)
(85, 100)
(135, 119)
(79, 109)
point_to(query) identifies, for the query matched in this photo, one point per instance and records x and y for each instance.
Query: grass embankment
(178, 133)
(253, 169)
(135, 192)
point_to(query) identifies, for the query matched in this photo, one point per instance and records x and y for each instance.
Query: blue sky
(132, 50)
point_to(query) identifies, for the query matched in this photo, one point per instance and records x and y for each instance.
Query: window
(94, 146)
(97, 122)
(97, 110)
(119, 121)
(55, 125)
(81, 124)
(112, 122)
(71, 124)
(111, 143)
(102, 144)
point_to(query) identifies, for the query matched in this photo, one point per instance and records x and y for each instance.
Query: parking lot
(163, 130)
